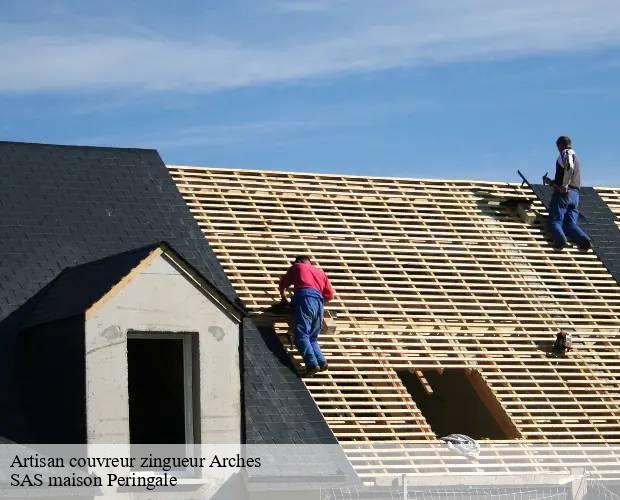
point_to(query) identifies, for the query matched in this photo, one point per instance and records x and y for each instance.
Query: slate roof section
(66, 206)
(598, 221)
(278, 407)
(77, 288)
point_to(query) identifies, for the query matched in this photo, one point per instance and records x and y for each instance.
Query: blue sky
(370, 87)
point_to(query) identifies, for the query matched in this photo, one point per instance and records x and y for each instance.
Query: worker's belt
(573, 187)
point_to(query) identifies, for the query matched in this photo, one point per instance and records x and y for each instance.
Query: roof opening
(458, 401)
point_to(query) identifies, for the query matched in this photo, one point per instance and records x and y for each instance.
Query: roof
(429, 275)
(597, 220)
(64, 206)
(78, 288)
(278, 407)
(68, 206)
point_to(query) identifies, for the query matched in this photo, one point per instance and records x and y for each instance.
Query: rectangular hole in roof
(457, 401)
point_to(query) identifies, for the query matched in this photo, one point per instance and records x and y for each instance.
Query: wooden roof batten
(429, 274)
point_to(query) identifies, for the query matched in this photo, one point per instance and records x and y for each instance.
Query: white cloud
(347, 37)
(208, 135)
(230, 134)
(305, 124)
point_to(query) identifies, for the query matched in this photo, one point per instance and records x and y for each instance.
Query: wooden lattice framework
(611, 196)
(430, 274)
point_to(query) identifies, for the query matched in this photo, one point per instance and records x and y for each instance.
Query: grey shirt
(567, 169)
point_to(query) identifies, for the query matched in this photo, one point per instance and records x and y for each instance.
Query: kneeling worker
(312, 288)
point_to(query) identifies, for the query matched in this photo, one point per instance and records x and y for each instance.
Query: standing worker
(311, 289)
(563, 212)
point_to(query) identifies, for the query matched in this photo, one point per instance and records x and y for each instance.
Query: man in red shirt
(312, 288)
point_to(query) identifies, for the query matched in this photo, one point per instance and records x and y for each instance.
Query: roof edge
(162, 248)
(336, 175)
(78, 146)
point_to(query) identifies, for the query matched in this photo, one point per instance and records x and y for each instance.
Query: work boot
(586, 246)
(311, 371)
(558, 247)
(323, 367)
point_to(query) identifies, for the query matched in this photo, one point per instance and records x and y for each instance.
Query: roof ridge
(75, 146)
(339, 175)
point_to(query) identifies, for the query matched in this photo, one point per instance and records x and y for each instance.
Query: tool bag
(563, 342)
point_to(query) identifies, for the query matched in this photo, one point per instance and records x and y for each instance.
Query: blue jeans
(563, 216)
(308, 306)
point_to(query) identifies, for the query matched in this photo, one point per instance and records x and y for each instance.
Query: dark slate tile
(93, 200)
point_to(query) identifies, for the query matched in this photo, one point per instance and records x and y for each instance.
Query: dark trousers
(308, 306)
(563, 217)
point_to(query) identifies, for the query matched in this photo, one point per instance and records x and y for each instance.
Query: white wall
(160, 299)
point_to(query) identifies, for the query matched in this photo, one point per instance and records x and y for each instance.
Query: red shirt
(303, 275)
